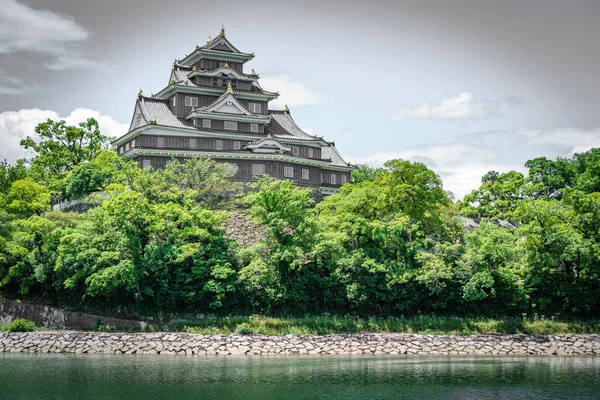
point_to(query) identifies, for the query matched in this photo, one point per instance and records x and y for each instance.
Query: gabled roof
(221, 47)
(147, 110)
(220, 43)
(180, 76)
(224, 70)
(282, 125)
(331, 153)
(267, 145)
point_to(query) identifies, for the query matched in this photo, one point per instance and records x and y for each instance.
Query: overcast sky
(464, 86)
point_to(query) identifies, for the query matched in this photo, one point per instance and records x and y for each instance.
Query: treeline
(391, 243)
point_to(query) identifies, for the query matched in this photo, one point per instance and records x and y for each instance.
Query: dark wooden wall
(272, 168)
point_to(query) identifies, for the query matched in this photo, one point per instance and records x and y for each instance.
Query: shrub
(20, 325)
(244, 329)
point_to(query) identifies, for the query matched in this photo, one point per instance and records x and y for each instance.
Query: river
(62, 376)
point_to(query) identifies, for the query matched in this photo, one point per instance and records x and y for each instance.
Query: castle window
(133, 143)
(288, 172)
(231, 126)
(231, 168)
(120, 149)
(253, 127)
(192, 143)
(191, 101)
(333, 179)
(146, 164)
(344, 178)
(311, 152)
(237, 145)
(215, 82)
(255, 107)
(195, 122)
(258, 169)
(206, 123)
(219, 145)
(305, 174)
(160, 142)
(295, 150)
(127, 147)
(174, 101)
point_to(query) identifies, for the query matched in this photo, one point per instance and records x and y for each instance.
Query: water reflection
(334, 377)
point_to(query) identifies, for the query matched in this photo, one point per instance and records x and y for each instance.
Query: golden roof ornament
(269, 136)
(222, 30)
(194, 68)
(209, 38)
(287, 108)
(253, 71)
(281, 151)
(229, 88)
(193, 109)
(140, 94)
(226, 65)
(171, 82)
(197, 47)
(187, 82)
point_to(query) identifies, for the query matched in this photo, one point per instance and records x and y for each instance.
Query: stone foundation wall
(61, 319)
(188, 344)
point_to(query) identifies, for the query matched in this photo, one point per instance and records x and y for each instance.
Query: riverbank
(385, 343)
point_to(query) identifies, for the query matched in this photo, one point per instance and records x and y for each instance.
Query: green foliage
(19, 325)
(61, 148)
(26, 198)
(331, 324)
(244, 329)
(391, 243)
(11, 173)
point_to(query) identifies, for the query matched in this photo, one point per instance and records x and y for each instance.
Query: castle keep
(211, 107)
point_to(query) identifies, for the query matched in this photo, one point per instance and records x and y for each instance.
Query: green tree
(10, 173)
(26, 198)
(61, 147)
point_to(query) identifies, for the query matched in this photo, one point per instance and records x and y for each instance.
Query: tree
(26, 198)
(61, 148)
(93, 176)
(10, 173)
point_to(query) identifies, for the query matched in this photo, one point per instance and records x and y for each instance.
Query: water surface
(61, 376)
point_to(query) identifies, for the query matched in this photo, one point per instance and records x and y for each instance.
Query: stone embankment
(189, 344)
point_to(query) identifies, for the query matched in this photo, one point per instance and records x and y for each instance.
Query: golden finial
(281, 151)
(209, 38)
(226, 65)
(187, 82)
(287, 108)
(197, 47)
(253, 71)
(140, 94)
(229, 88)
(315, 136)
(222, 30)
(171, 82)
(194, 68)
(174, 63)
(193, 109)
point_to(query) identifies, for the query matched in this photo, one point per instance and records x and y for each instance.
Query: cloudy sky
(464, 86)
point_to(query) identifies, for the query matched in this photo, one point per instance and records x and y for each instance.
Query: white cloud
(24, 29)
(291, 92)
(462, 164)
(17, 125)
(463, 106)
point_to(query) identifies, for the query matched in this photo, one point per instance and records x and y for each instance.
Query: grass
(18, 325)
(421, 325)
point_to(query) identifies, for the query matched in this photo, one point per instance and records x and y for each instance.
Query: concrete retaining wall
(54, 317)
(188, 344)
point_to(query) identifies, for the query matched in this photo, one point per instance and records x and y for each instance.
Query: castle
(211, 107)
